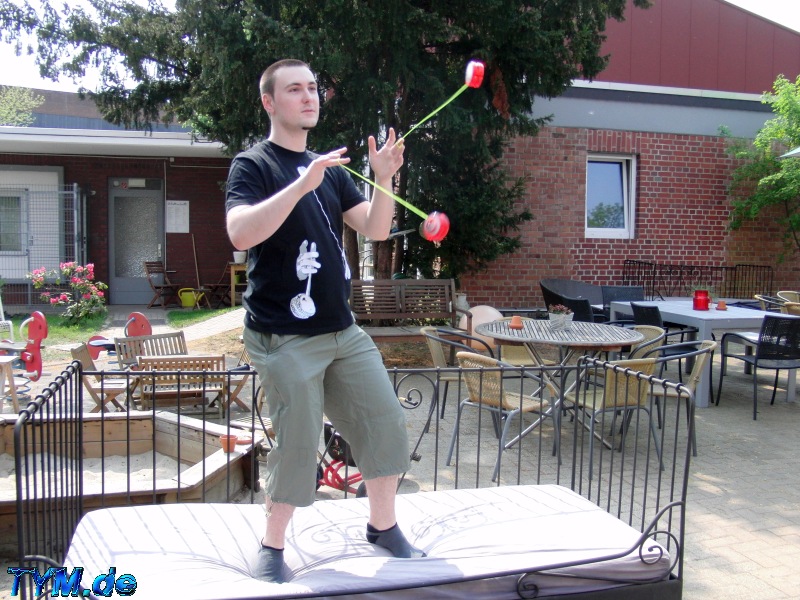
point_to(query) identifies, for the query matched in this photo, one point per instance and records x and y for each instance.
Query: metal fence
(661, 280)
(40, 226)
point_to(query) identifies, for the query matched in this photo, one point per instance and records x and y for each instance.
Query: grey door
(136, 234)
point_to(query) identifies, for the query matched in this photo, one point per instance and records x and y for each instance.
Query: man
(287, 206)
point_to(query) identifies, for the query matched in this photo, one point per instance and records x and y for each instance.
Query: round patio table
(592, 338)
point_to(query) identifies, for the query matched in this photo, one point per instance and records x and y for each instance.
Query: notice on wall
(177, 216)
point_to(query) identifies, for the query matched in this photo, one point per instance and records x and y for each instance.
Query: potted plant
(560, 316)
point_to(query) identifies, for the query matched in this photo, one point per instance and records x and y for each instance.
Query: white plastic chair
(6, 326)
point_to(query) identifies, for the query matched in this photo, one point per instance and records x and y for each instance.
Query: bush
(73, 286)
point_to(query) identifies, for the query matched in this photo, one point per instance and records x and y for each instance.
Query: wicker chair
(770, 303)
(701, 356)
(622, 392)
(443, 348)
(791, 308)
(489, 390)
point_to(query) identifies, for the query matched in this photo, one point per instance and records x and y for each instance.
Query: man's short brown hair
(267, 83)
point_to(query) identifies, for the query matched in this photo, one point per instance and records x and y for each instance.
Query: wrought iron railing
(663, 280)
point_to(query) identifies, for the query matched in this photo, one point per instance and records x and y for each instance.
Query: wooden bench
(393, 310)
(129, 349)
(180, 380)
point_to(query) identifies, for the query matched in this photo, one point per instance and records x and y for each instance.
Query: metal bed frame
(631, 480)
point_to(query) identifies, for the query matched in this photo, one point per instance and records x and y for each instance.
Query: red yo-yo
(435, 227)
(474, 75)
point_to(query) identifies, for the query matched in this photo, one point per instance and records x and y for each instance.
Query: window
(610, 196)
(11, 222)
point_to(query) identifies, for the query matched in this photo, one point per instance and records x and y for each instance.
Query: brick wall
(195, 179)
(681, 217)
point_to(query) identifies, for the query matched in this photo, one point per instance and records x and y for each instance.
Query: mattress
(478, 542)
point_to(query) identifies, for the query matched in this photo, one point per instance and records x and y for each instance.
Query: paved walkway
(118, 316)
(743, 518)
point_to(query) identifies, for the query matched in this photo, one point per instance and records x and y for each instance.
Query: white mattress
(207, 551)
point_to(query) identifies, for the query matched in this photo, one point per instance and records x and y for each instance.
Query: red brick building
(74, 188)
(678, 72)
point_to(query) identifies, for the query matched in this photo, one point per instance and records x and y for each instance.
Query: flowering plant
(71, 285)
(559, 309)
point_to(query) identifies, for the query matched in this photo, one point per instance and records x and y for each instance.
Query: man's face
(295, 103)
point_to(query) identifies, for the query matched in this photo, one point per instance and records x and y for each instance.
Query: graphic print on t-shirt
(302, 305)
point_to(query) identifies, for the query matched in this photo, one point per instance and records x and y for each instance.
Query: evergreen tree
(380, 64)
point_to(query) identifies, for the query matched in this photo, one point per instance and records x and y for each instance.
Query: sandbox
(132, 459)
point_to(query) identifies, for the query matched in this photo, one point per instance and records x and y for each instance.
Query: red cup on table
(701, 301)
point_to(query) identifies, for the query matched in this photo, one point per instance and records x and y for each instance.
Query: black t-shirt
(278, 300)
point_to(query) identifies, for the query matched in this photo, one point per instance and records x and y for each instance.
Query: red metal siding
(700, 44)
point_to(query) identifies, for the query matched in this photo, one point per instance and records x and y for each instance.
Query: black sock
(394, 541)
(270, 565)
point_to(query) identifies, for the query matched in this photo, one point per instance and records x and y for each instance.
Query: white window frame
(21, 196)
(627, 164)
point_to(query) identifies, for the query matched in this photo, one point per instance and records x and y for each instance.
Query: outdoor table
(236, 268)
(706, 321)
(7, 374)
(592, 338)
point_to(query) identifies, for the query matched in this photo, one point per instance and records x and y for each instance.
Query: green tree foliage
(606, 216)
(764, 180)
(380, 63)
(17, 105)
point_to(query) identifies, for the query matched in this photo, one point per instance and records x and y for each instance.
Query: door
(136, 234)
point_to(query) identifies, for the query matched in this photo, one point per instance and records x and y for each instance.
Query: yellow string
(409, 206)
(453, 97)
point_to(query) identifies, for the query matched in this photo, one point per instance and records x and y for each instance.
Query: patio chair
(622, 392)
(103, 390)
(443, 347)
(554, 289)
(164, 291)
(6, 326)
(644, 314)
(702, 356)
(789, 296)
(219, 293)
(582, 310)
(770, 303)
(621, 293)
(791, 308)
(551, 297)
(651, 315)
(654, 338)
(776, 347)
(488, 390)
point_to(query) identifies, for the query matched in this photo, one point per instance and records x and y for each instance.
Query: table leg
(233, 287)
(791, 386)
(704, 385)
(8, 374)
